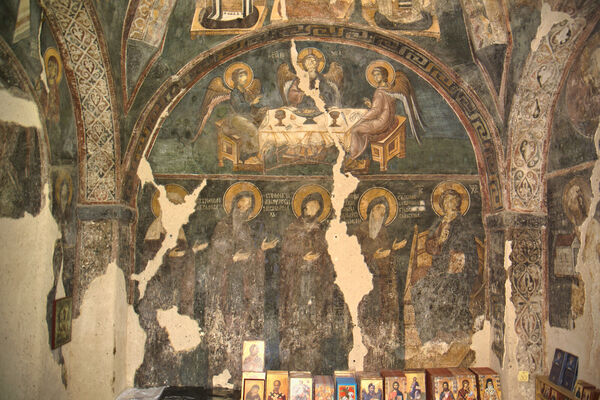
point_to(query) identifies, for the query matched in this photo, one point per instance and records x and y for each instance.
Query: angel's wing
(253, 90)
(216, 93)
(284, 75)
(402, 90)
(335, 75)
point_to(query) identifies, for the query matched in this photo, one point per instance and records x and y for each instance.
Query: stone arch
(92, 91)
(531, 115)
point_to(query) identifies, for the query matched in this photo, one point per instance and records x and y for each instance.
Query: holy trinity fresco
(284, 109)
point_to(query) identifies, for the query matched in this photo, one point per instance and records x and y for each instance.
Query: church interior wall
(187, 184)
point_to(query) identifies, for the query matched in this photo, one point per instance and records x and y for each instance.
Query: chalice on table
(334, 116)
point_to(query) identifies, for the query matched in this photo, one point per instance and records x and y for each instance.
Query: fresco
(576, 119)
(266, 128)
(20, 159)
(254, 115)
(257, 254)
(568, 207)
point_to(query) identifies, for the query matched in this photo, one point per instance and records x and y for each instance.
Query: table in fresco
(301, 136)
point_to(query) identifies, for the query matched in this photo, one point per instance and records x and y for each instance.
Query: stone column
(526, 269)
(103, 236)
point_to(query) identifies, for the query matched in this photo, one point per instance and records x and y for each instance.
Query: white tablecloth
(295, 134)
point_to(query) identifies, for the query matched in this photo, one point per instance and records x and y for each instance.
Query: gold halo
(177, 193)
(304, 191)
(228, 75)
(238, 187)
(383, 64)
(457, 187)
(585, 189)
(318, 54)
(63, 177)
(51, 52)
(367, 197)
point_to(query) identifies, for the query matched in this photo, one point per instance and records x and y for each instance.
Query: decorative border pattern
(527, 280)
(531, 114)
(79, 36)
(462, 100)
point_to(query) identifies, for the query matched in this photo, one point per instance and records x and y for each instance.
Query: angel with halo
(243, 91)
(312, 62)
(380, 118)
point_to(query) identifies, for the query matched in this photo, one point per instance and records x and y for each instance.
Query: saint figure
(446, 394)
(442, 298)
(276, 393)
(236, 284)
(313, 317)
(378, 312)
(465, 392)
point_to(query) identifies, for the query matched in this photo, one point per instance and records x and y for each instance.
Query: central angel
(296, 90)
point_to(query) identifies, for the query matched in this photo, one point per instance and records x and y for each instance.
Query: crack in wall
(352, 274)
(172, 217)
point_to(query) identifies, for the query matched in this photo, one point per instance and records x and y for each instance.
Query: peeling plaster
(549, 18)
(97, 356)
(222, 380)
(173, 218)
(584, 339)
(511, 387)
(19, 110)
(352, 274)
(136, 338)
(184, 332)
(481, 344)
(30, 369)
(304, 81)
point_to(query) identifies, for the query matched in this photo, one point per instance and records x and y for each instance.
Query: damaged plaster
(222, 380)
(19, 110)
(31, 369)
(172, 217)
(101, 358)
(510, 386)
(481, 345)
(184, 332)
(584, 339)
(549, 18)
(353, 276)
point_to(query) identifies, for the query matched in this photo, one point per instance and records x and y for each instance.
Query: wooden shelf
(544, 389)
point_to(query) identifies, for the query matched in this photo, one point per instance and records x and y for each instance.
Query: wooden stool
(393, 145)
(228, 146)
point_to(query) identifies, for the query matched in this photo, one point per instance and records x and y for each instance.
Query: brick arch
(79, 36)
(467, 106)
